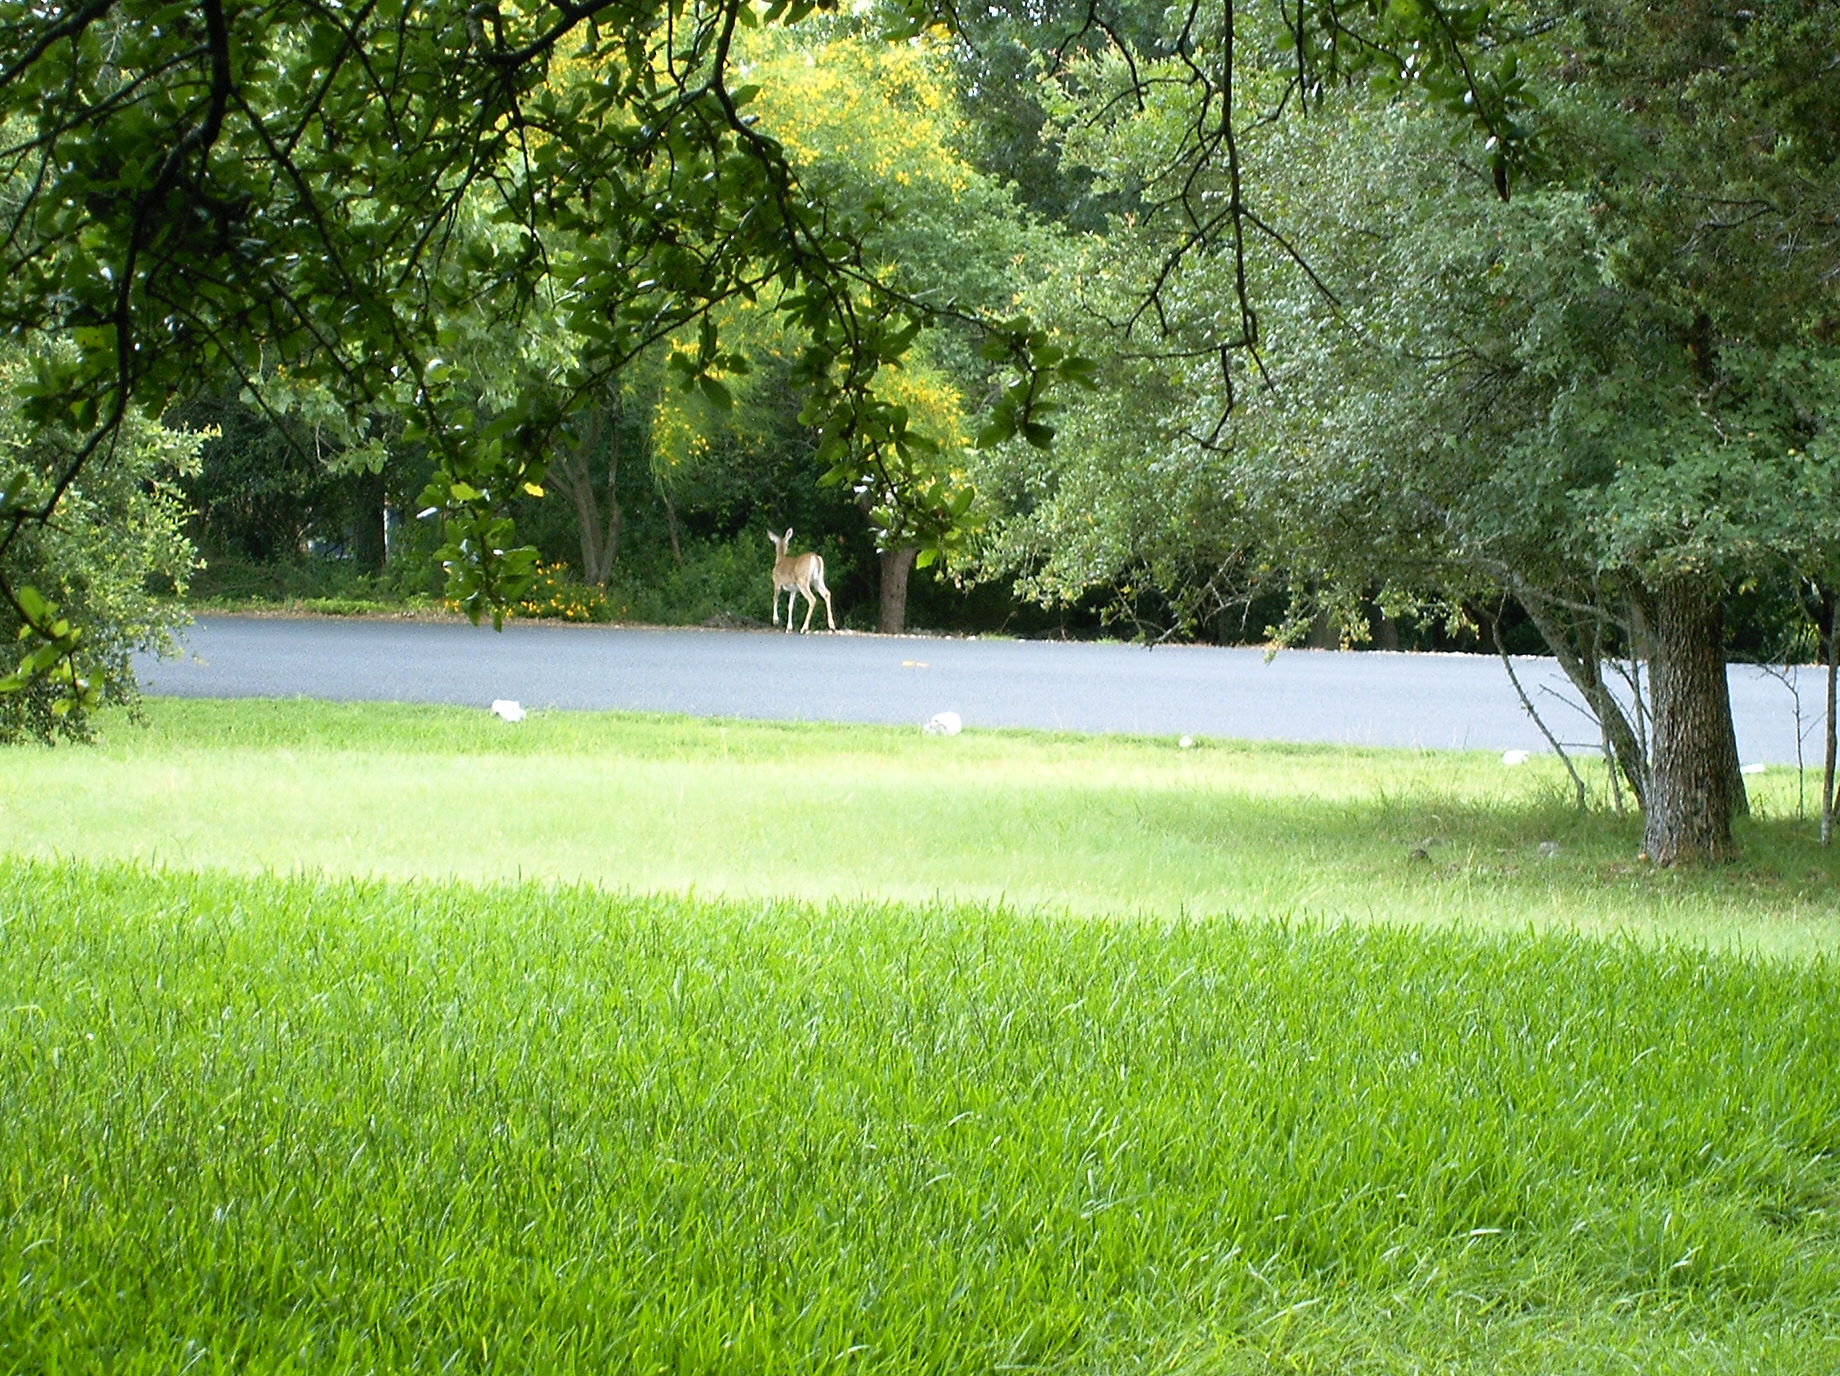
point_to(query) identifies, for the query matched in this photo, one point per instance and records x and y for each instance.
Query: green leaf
(33, 606)
(1000, 427)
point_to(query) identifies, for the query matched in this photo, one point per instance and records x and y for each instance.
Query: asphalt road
(1434, 701)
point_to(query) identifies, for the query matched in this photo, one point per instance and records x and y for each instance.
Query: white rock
(507, 710)
(1187, 742)
(1513, 757)
(945, 724)
(1751, 768)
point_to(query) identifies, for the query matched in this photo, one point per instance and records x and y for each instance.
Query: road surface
(1370, 698)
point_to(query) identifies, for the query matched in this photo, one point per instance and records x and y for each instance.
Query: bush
(112, 557)
(307, 579)
(726, 581)
(558, 595)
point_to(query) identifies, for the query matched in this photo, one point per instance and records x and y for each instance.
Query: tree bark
(670, 525)
(897, 564)
(367, 544)
(598, 527)
(1826, 627)
(1695, 787)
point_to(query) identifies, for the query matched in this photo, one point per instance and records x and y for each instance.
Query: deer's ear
(789, 532)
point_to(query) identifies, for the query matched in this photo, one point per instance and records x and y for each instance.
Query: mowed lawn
(1102, 826)
(394, 1039)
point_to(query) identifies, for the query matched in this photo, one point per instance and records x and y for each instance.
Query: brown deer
(794, 574)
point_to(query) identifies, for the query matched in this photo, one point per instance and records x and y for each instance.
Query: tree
(881, 130)
(1622, 385)
(586, 470)
(210, 188)
(200, 189)
(1610, 395)
(114, 541)
(260, 493)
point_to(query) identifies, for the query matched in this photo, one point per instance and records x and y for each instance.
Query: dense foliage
(1609, 399)
(106, 570)
(363, 206)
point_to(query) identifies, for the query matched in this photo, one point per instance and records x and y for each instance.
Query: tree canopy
(1609, 395)
(361, 195)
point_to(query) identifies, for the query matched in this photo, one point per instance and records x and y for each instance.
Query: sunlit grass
(320, 1124)
(1096, 826)
(353, 1039)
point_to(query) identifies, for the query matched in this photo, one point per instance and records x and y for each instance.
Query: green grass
(1099, 826)
(653, 1045)
(323, 1124)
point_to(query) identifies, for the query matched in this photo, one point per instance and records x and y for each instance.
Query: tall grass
(326, 1124)
(353, 1039)
(1097, 826)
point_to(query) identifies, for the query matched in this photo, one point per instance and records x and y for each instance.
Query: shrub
(558, 595)
(232, 579)
(112, 557)
(725, 581)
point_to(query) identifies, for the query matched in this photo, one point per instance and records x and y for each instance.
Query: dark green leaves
(52, 656)
(1039, 361)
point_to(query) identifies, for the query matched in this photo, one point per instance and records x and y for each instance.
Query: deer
(794, 574)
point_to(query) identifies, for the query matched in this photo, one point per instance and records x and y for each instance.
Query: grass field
(299, 1074)
(1101, 826)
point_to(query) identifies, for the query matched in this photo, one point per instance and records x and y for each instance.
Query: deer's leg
(817, 581)
(811, 605)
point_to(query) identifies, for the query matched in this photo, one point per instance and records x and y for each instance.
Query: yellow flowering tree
(879, 128)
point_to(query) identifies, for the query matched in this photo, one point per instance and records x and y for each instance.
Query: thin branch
(1507, 662)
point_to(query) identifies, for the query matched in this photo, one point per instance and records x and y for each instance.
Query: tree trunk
(612, 525)
(670, 525)
(1585, 668)
(598, 527)
(896, 565)
(1323, 634)
(367, 544)
(1828, 661)
(1695, 787)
